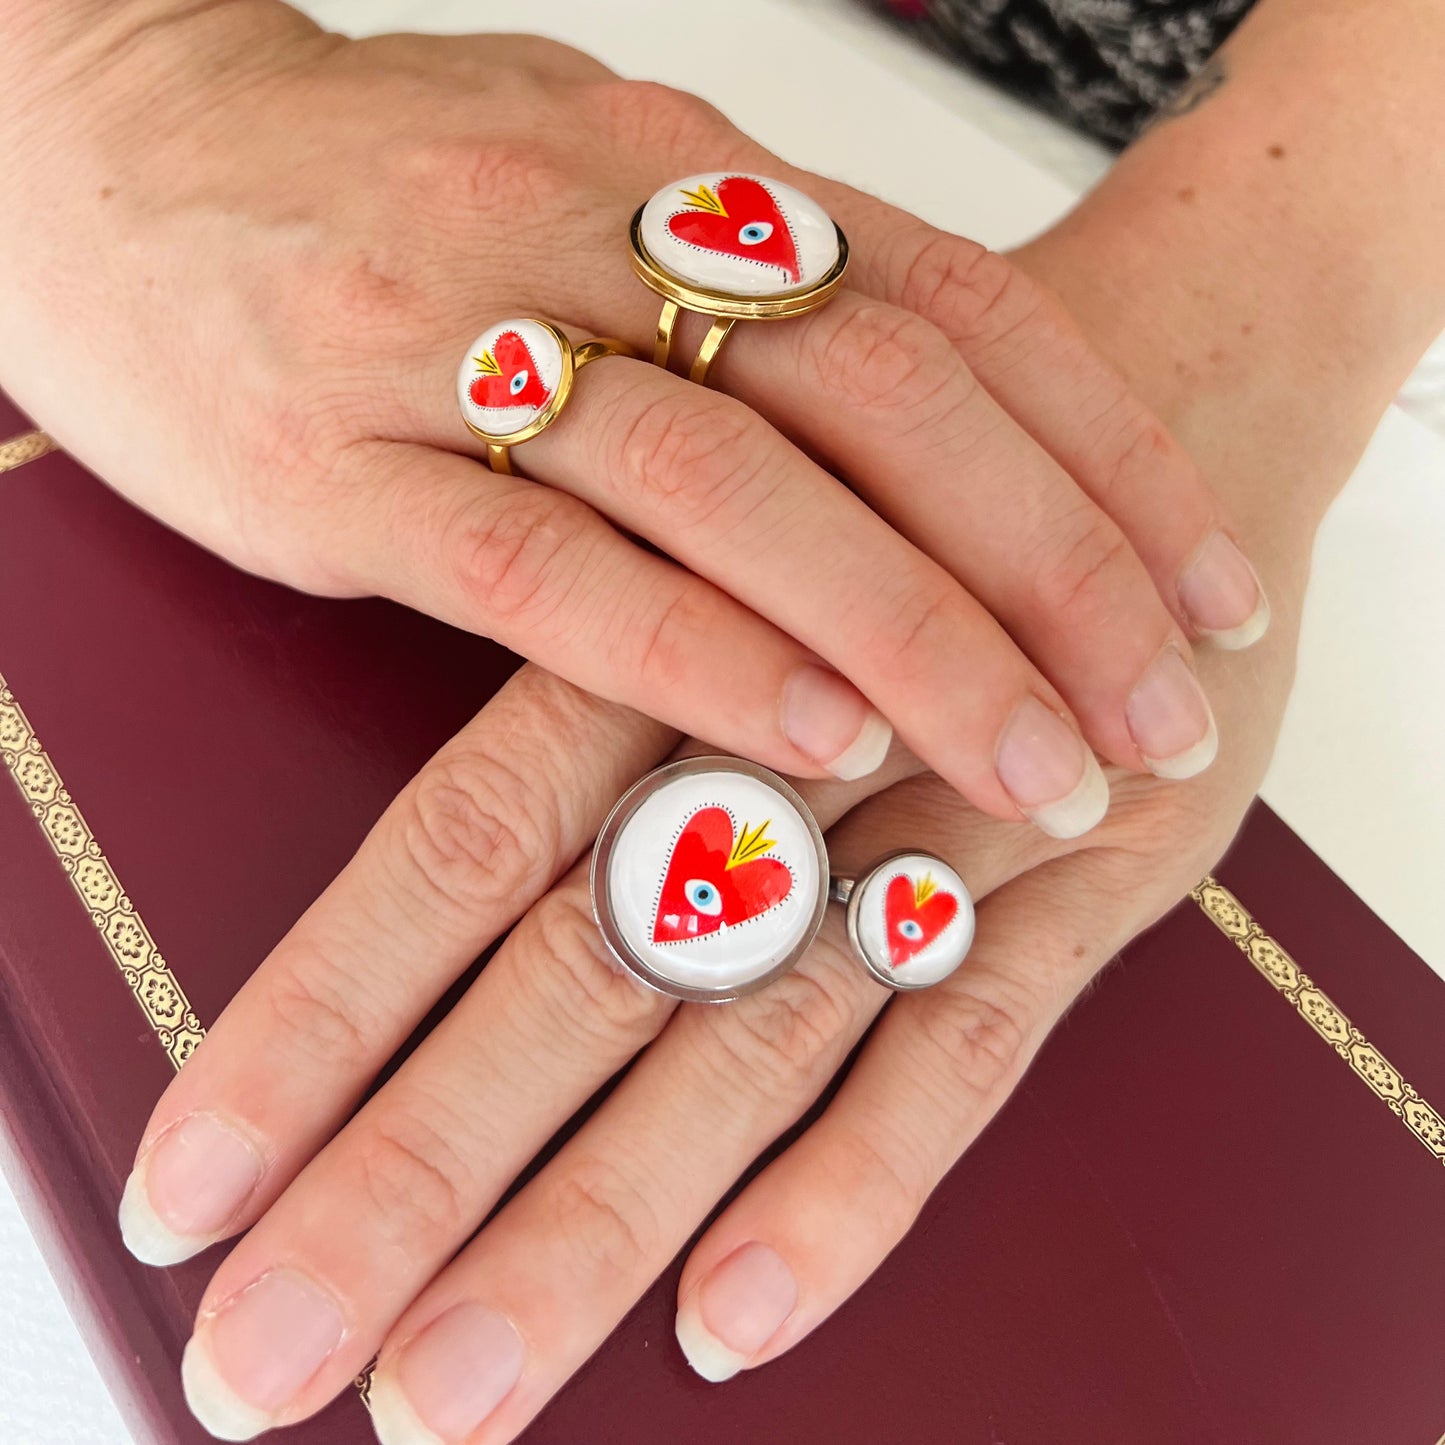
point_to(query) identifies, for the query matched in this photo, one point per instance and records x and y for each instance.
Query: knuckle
(977, 1045)
(366, 301)
(892, 1179)
(510, 555)
(779, 1042)
(691, 457)
(1138, 450)
(650, 113)
(476, 832)
(322, 1016)
(918, 636)
(1080, 567)
(413, 1180)
(466, 177)
(983, 294)
(588, 988)
(666, 642)
(605, 1217)
(879, 357)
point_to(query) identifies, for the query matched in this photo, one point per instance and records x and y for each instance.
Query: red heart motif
(514, 381)
(716, 879)
(748, 224)
(913, 925)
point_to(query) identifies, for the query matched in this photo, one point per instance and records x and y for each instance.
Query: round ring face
(708, 879)
(911, 918)
(509, 377)
(744, 236)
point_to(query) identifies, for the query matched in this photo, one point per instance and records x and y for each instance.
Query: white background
(1358, 771)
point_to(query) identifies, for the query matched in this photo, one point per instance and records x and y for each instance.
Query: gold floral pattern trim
(1322, 1014)
(127, 939)
(22, 449)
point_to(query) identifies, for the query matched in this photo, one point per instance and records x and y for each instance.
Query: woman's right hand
(252, 255)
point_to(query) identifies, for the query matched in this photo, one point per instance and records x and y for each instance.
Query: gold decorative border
(1323, 1016)
(28, 448)
(127, 939)
(130, 945)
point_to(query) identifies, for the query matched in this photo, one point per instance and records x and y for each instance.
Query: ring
(710, 879)
(910, 919)
(736, 248)
(516, 378)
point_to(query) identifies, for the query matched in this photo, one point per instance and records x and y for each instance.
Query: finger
(1026, 350)
(819, 1220)
(506, 1324)
(479, 834)
(883, 398)
(541, 572)
(304, 1299)
(708, 481)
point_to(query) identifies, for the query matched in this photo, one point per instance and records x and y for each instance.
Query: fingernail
(735, 1311)
(1050, 771)
(448, 1379)
(186, 1189)
(827, 718)
(1222, 595)
(1170, 720)
(249, 1359)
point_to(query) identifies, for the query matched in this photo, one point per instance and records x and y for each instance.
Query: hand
(344, 1235)
(242, 285)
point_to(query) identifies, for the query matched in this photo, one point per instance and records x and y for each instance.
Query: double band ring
(516, 378)
(710, 879)
(735, 248)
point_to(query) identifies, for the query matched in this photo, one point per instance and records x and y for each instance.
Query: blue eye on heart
(755, 233)
(911, 929)
(703, 896)
(519, 382)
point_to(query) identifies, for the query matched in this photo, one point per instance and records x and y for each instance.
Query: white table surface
(1358, 772)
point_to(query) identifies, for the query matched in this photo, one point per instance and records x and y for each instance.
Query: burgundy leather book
(1210, 1216)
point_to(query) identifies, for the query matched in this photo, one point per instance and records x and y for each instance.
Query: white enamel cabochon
(912, 920)
(742, 235)
(508, 376)
(712, 883)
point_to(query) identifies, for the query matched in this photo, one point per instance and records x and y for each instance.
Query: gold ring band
(516, 380)
(733, 248)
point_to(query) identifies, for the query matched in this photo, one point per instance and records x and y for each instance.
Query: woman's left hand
(344, 1262)
(504, 1326)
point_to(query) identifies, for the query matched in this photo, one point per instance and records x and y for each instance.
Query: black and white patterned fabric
(1106, 66)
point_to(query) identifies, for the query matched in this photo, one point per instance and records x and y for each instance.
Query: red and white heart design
(741, 218)
(509, 376)
(717, 878)
(915, 915)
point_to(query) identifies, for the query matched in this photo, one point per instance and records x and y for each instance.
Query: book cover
(1209, 1216)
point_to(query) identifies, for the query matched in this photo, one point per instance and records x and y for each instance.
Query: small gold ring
(735, 248)
(516, 378)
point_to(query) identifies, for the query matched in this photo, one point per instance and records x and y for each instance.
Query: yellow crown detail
(705, 200)
(749, 845)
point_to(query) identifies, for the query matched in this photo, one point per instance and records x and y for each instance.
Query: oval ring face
(911, 918)
(744, 236)
(509, 377)
(709, 879)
